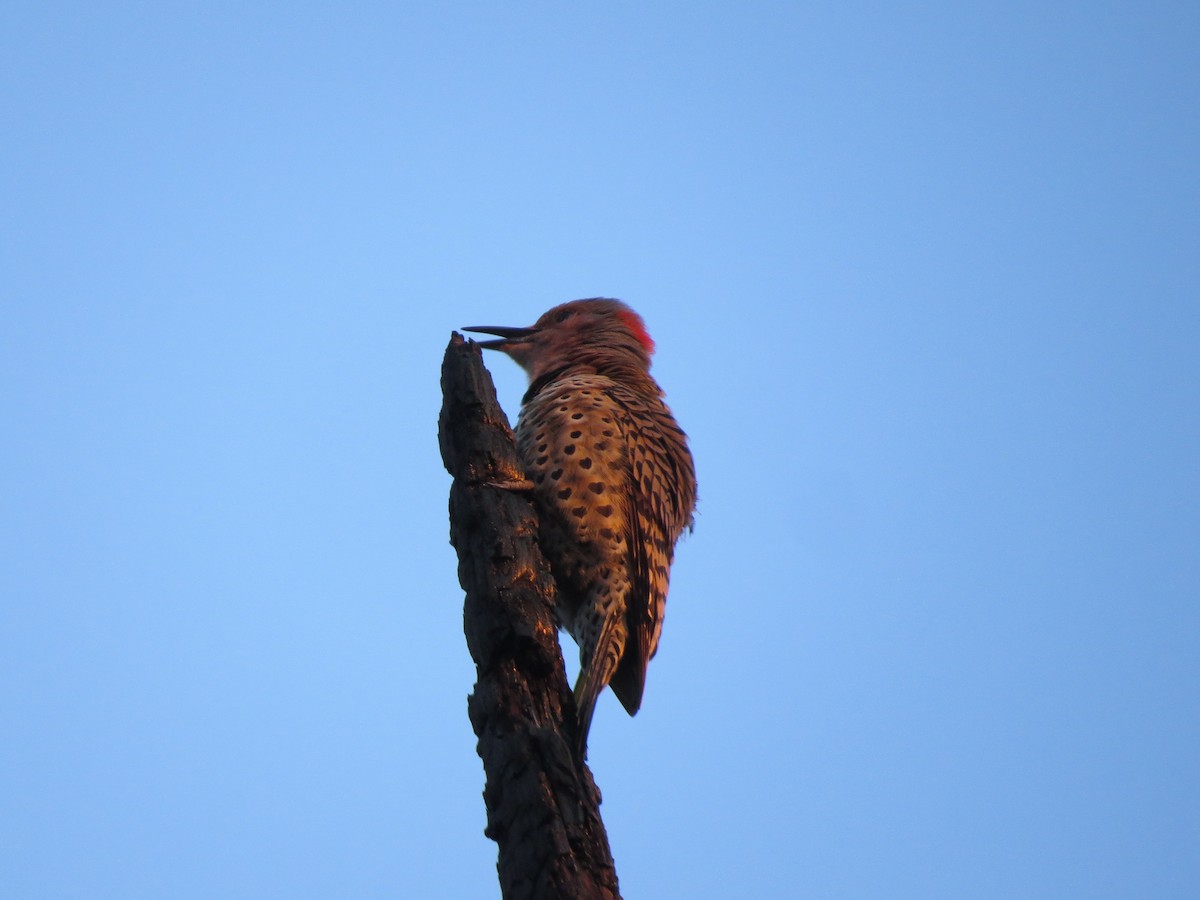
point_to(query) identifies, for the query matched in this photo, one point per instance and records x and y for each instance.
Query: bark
(543, 808)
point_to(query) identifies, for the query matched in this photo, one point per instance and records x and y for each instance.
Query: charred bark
(542, 804)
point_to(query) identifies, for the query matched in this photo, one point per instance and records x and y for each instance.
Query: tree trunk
(543, 808)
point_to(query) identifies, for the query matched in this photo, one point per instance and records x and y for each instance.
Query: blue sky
(924, 286)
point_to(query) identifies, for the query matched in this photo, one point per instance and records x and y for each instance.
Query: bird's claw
(510, 485)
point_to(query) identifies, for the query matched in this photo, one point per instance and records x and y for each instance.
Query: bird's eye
(564, 315)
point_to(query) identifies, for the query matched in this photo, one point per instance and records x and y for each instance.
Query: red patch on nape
(635, 324)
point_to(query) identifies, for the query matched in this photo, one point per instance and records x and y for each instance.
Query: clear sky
(923, 279)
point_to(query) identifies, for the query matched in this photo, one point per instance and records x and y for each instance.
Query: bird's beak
(507, 335)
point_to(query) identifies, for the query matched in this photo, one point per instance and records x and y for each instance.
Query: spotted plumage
(614, 483)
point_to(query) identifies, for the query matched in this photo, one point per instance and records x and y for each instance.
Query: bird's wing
(661, 501)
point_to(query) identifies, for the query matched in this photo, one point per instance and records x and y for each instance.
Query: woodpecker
(613, 481)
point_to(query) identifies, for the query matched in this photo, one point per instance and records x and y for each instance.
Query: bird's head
(598, 335)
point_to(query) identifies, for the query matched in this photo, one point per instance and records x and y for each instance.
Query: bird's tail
(595, 673)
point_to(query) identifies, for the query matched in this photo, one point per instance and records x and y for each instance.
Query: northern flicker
(613, 481)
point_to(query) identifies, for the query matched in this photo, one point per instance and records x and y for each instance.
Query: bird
(614, 483)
